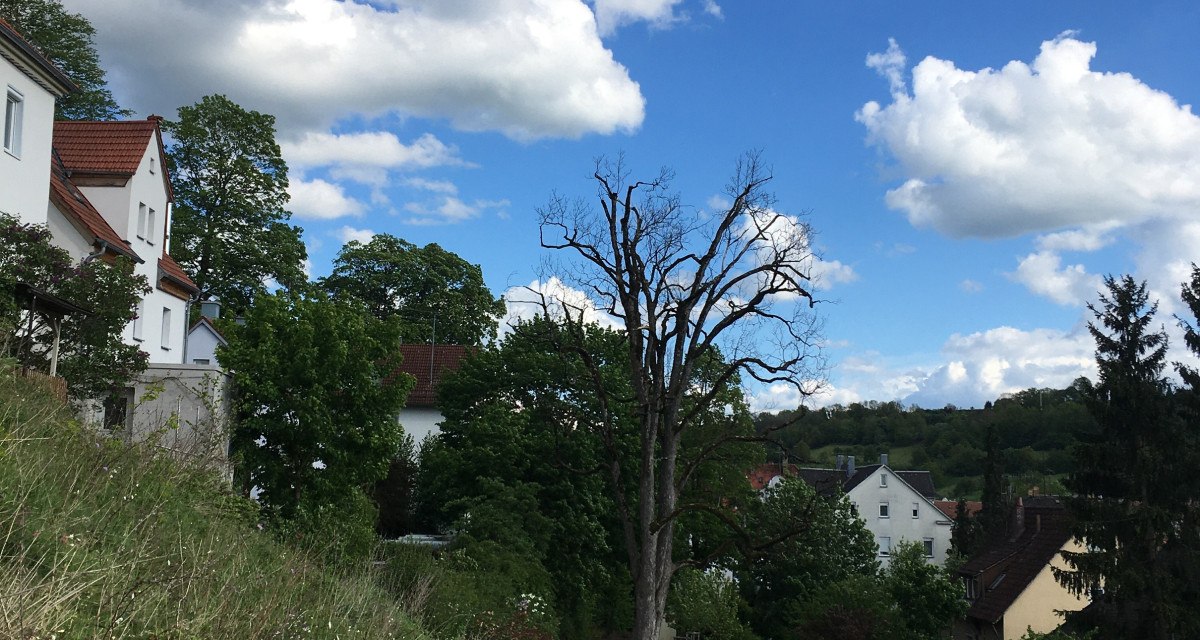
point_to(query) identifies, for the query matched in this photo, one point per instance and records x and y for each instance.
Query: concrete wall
(900, 525)
(1035, 607)
(184, 409)
(25, 178)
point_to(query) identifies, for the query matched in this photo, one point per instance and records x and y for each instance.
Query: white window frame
(885, 546)
(927, 547)
(165, 336)
(151, 225)
(883, 480)
(885, 510)
(141, 220)
(14, 116)
(916, 512)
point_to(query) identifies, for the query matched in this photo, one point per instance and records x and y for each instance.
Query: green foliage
(229, 223)
(66, 39)
(707, 603)
(317, 395)
(854, 608)
(93, 358)
(107, 540)
(1134, 474)
(395, 494)
(434, 293)
(928, 599)
(823, 542)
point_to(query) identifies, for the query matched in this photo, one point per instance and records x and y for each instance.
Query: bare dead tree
(682, 284)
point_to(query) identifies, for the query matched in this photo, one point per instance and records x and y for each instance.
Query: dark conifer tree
(994, 515)
(1127, 482)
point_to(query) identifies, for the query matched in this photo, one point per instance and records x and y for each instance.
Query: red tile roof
(949, 508)
(76, 207)
(104, 148)
(168, 268)
(428, 363)
(761, 476)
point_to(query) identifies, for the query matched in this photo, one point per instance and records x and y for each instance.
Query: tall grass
(99, 539)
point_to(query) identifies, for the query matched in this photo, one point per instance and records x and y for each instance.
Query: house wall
(1036, 606)
(25, 180)
(420, 422)
(120, 207)
(900, 525)
(202, 344)
(64, 235)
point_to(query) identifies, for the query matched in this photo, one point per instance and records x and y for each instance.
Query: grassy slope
(100, 540)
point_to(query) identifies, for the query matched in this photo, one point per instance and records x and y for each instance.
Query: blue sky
(972, 169)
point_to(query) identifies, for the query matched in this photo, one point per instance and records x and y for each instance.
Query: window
(199, 360)
(137, 321)
(885, 546)
(141, 221)
(916, 510)
(151, 226)
(854, 509)
(166, 329)
(927, 543)
(883, 510)
(151, 164)
(14, 108)
(883, 479)
(116, 411)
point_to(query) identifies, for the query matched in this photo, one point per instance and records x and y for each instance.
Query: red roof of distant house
(109, 148)
(761, 476)
(428, 363)
(71, 201)
(949, 508)
(171, 269)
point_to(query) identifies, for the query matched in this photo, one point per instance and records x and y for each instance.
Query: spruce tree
(1126, 510)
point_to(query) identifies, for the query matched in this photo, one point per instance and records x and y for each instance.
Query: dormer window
(14, 109)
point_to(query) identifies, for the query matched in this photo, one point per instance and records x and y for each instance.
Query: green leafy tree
(394, 495)
(1129, 479)
(855, 608)
(819, 541)
(229, 223)
(66, 39)
(928, 599)
(315, 412)
(707, 603)
(93, 358)
(434, 293)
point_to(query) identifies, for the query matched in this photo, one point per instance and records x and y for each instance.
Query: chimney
(210, 309)
(883, 459)
(1017, 525)
(838, 465)
(849, 466)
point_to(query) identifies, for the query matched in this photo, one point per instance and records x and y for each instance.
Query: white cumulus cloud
(1043, 274)
(367, 150)
(527, 68)
(349, 234)
(1032, 147)
(321, 200)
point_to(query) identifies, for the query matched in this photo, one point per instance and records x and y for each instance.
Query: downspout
(97, 253)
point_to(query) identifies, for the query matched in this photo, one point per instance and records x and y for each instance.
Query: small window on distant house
(137, 321)
(916, 510)
(151, 226)
(141, 221)
(14, 108)
(199, 360)
(854, 508)
(166, 328)
(927, 543)
(885, 546)
(151, 164)
(883, 510)
(883, 479)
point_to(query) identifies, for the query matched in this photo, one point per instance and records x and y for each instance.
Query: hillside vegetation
(102, 540)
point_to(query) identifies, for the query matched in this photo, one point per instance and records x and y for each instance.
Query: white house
(896, 506)
(427, 363)
(30, 84)
(102, 190)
